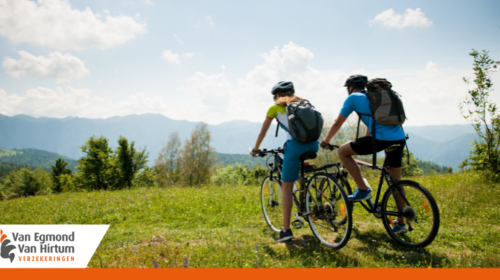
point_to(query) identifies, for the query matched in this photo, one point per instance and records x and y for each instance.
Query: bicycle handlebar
(329, 146)
(264, 152)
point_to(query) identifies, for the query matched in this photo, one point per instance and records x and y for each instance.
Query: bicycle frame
(301, 182)
(371, 208)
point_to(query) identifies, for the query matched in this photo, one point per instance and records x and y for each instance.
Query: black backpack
(304, 121)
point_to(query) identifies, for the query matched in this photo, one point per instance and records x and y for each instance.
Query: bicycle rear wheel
(421, 216)
(270, 198)
(328, 211)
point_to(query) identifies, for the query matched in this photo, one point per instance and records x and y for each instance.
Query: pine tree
(58, 170)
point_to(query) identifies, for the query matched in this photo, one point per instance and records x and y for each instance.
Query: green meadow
(223, 226)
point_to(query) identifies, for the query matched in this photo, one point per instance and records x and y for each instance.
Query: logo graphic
(5, 248)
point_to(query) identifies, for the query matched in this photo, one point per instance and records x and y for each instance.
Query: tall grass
(211, 226)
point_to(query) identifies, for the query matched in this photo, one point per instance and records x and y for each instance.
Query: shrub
(24, 182)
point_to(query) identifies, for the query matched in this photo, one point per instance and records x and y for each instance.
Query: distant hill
(448, 153)
(64, 136)
(231, 159)
(440, 133)
(443, 144)
(34, 158)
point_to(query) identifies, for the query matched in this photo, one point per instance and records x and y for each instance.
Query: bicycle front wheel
(421, 215)
(328, 211)
(270, 198)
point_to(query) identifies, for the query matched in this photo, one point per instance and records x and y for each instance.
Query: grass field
(213, 226)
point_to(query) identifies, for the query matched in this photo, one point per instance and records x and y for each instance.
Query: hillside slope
(34, 158)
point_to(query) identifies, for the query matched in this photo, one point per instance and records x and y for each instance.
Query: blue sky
(216, 61)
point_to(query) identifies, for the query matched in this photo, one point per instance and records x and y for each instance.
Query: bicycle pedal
(297, 224)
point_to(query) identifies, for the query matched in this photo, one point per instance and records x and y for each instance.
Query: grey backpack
(304, 121)
(387, 107)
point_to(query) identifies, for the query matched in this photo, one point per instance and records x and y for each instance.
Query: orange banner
(254, 274)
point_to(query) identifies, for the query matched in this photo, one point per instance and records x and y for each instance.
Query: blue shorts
(291, 162)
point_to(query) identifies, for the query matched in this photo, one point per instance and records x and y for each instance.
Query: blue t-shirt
(359, 102)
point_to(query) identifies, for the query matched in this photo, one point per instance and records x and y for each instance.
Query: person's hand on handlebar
(254, 153)
(324, 145)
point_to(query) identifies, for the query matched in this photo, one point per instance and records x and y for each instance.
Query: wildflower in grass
(155, 264)
(258, 256)
(185, 263)
(238, 247)
(175, 260)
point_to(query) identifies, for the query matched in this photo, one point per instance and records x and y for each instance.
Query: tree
(412, 168)
(25, 182)
(95, 166)
(128, 162)
(168, 160)
(482, 114)
(58, 170)
(197, 157)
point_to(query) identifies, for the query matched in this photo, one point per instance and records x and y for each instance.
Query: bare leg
(345, 154)
(396, 175)
(287, 190)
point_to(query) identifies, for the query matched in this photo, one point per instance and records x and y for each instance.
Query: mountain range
(443, 144)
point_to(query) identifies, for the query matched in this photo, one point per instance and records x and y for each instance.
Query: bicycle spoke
(421, 218)
(271, 203)
(330, 221)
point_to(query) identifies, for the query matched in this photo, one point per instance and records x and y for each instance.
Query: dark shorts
(393, 149)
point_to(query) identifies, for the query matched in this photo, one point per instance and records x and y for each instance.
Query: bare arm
(263, 131)
(367, 132)
(337, 124)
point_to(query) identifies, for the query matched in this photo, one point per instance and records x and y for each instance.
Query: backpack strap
(278, 126)
(374, 137)
(406, 144)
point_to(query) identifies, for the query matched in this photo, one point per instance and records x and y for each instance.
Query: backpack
(304, 121)
(387, 109)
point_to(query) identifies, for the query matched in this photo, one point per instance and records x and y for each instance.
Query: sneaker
(285, 235)
(360, 195)
(399, 228)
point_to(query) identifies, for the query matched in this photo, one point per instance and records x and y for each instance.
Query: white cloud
(175, 58)
(61, 67)
(187, 55)
(431, 94)
(171, 57)
(411, 18)
(210, 20)
(53, 23)
(147, 2)
(178, 39)
(59, 102)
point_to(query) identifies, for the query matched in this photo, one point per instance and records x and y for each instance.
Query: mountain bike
(420, 210)
(322, 202)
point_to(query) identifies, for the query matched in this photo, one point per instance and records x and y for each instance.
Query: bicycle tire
(425, 227)
(270, 198)
(329, 216)
(345, 184)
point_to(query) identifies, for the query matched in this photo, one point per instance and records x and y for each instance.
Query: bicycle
(323, 202)
(421, 215)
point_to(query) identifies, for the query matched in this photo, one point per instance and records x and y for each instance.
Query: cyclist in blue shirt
(390, 138)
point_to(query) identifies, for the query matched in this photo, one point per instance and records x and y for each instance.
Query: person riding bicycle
(390, 138)
(284, 93)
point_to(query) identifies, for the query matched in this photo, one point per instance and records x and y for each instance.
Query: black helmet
(283, 87)
(357, 81)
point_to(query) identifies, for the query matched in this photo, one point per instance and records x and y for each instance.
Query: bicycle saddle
(308, 155)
